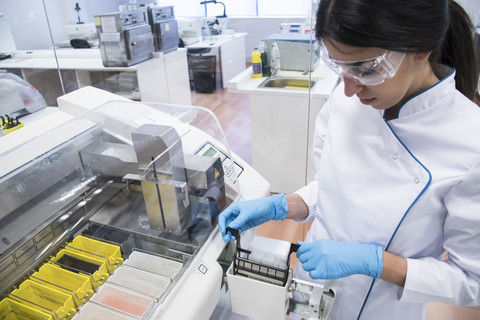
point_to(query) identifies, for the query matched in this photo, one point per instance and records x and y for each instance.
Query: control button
(202, 268)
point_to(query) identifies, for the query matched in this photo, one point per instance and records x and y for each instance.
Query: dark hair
(438, 26)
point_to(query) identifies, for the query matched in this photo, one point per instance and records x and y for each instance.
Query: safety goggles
(369, 72)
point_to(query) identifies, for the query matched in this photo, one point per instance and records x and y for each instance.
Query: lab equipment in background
(18, 97)
(214, 27)
(77, 8)
(132, 5)
(83, 31)
(164, 28)
(125, 38)
(190, 30)
(293, 27)
(224, 15)
(261, 285)
(256, 63)
(298, 52)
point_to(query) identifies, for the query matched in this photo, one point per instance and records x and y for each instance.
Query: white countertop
(217, 41)
(327, 81)
(68, 59)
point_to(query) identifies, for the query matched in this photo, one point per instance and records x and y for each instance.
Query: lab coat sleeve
(309, 192)
(456, 280)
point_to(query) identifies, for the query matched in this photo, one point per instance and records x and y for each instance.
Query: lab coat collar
(432, 95)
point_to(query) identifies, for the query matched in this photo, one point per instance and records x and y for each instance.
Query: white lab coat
(411, 185)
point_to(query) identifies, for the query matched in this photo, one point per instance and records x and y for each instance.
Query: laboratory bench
(162, 79)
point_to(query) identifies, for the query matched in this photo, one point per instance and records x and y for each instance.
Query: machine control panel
(164, 13)
(229, 167)
(136, 17)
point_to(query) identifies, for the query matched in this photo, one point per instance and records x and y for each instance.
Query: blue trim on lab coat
(403, 218)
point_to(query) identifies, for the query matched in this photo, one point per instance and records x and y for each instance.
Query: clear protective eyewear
(369, 72)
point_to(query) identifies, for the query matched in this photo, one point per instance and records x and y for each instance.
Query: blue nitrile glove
(329, 259)
(243, 215)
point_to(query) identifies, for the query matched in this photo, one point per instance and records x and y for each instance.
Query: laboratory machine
(298, 52)
(83, 31)
(111, 213)
(190, 30)
(164, 28)
(125, 38)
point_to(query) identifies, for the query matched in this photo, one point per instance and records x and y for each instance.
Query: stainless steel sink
(287, 83)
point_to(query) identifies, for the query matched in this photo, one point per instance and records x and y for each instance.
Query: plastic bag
(18, 97)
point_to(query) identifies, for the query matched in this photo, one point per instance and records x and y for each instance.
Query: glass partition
(36, 45)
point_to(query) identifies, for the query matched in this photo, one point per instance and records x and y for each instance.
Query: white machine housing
(198, 283)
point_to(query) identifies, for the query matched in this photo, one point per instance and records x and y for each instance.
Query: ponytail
(458, 50)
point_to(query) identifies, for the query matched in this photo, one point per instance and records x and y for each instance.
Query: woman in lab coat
(397, 153)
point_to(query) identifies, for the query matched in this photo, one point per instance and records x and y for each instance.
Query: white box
(258, 299)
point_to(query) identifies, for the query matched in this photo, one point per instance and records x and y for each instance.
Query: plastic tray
(12, 310)
(112, 254)
(60, 305)
(97, 277)
(142, 281)
(93, 311)
(75, 284)
(155, 264)
(124, 300)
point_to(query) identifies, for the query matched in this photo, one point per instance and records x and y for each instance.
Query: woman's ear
(421, 56)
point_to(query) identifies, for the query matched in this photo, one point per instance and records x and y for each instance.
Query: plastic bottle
(265, 66)
(256, 63)
(132, 5)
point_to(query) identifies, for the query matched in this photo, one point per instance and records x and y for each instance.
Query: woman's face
(413, 76)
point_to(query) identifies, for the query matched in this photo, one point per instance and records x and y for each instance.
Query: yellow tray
(97, 277)
(111, 253)
(75, 284)
(12, 310)
(60, 305)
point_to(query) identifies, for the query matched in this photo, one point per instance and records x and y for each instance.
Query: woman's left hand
(329, 259)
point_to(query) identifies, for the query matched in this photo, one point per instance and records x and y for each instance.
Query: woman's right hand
(243, 215)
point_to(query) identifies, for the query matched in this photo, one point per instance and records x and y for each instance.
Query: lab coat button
(379, 133)
(416, 180)
(394, 156)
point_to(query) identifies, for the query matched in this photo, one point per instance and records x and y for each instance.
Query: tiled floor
(233, 112)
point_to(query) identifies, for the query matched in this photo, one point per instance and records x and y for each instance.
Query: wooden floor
(233, 113)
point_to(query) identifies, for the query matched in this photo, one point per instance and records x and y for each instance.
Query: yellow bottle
(256, 64)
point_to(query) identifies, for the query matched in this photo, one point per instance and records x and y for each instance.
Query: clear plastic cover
(157, 173)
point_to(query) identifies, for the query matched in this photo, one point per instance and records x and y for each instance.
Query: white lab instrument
(261, 279)
(298, 52)
(147, 178)
(292, 27)
(190, 30)
(84, 31)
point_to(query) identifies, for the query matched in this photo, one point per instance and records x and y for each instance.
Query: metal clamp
(320, 302)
